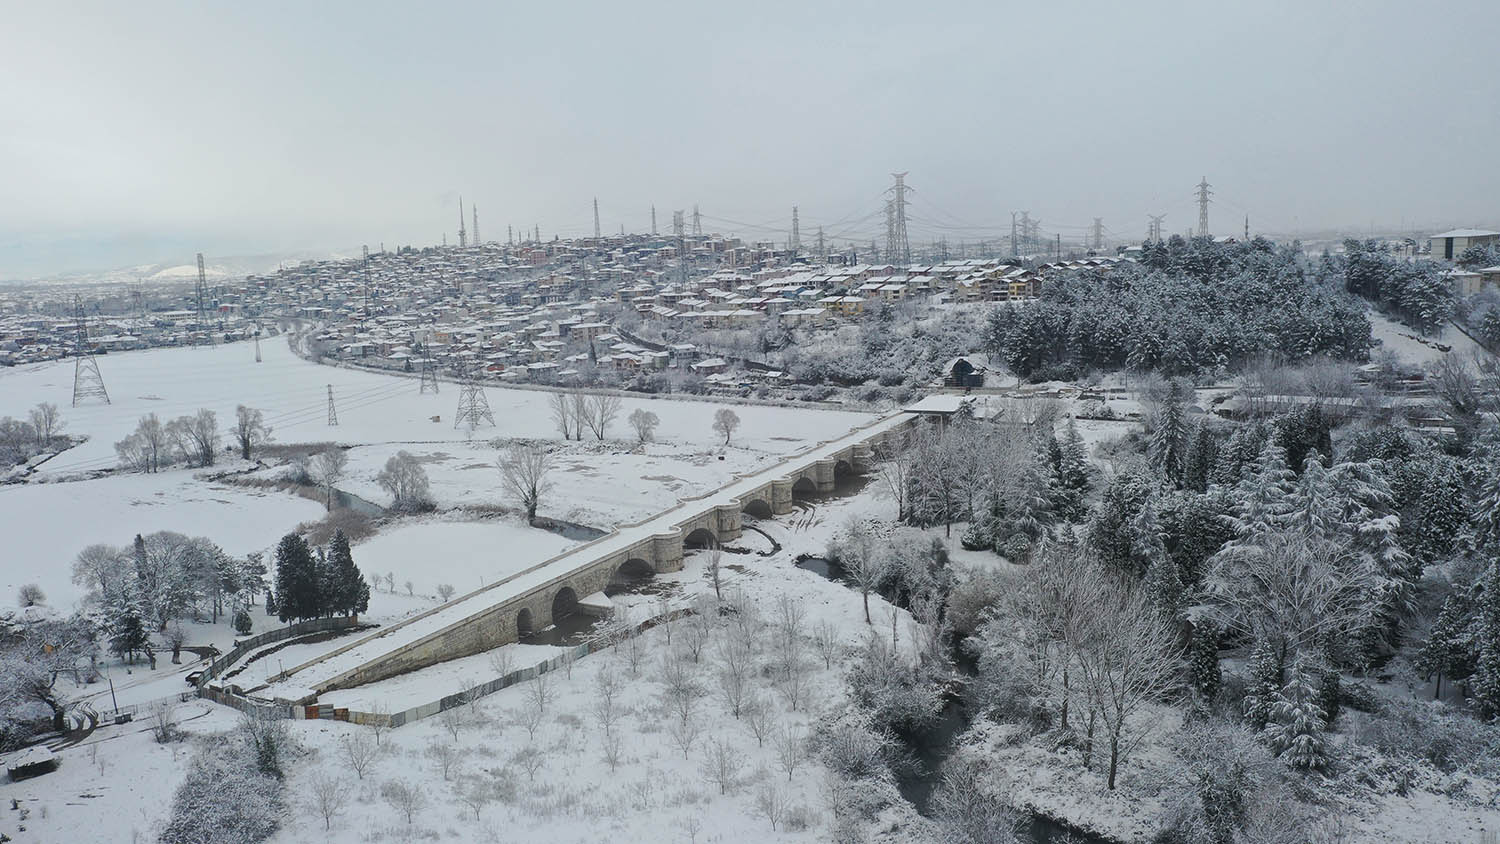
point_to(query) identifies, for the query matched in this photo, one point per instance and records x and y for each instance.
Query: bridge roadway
(507, 609)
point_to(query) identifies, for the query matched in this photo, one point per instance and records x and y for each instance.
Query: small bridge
(530, 600)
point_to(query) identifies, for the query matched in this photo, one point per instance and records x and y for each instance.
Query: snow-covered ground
(1415, 349)
(46, 525)
(655, 792)
(464, 555)
(372, 407)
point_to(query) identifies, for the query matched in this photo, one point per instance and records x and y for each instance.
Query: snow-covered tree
(1295, 723)
(406, 481)
(148, 447)
(1485, 683)
(644, 423)
(297, 592)
(1169, 433)
(250, 430)
(195, 437)
(327, 468)
(524, 471)
(726, 422)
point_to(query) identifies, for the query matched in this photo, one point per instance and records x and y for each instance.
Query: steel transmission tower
(596, 218)
(333, 414)
(1203, 199)
(1154, 228)
(897, 247)
(822, 249)
(1098, 233)
(87, 382)
(429, 375)
(796, 243)
(202, 289)
(697, 222)
(473, 407)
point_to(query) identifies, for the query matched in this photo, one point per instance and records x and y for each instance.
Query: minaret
(474, 210)
(463, 235)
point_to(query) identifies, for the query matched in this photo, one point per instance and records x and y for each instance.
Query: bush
(242, 623)
(225, 799)
(1418, 731)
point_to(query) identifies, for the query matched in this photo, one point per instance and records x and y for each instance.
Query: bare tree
(531, 759)
(771, 801)
(735, 672)
(453, 719)
(359, 752)
(1128, 657)
(680, 688)
(578, 404)
(31, 595)
(857, 553)
(524, 470)
(46, 420)
(406, 798)
(696, 630)
(726, 422)
(445, 592)
(607, 687)
(147, 448)
(895, 469)
(529, 718)
(791, 748)
(644, 422)
(759, 713)
(327, 468)
(721, 766)
(612, 746)
(562, 415)
(826, 641)
(196, 437)
(474, 793)
(250, 429)
(539, 691)
(602, 411)
(501, 662)
(445, 755)
(715, 570)
(329, 797)
(684, 734)
(410, 588)
(380, 721)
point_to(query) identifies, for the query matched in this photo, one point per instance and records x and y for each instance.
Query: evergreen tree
(126, 620)
(1330, 692)
(296, 580)
(1073, 462)
(1202, 454)
(1263, 495)
(1203, 661)
(1151, 561)
(1169, 434)
(1295, 723)
(327, 591)
(1110, 531)
(1196, 527)
(1485, 684)
(1264, 681)
(1238, 457)
(351, 592)
(1449, 651)
(1302, 431)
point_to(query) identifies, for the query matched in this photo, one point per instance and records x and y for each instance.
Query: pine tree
(1150, 560)
(1485, 684)
(327, 591)
(126, 619)
(1235, 460)
(1109, 532)
(1169, 435)
(1449, 651)
(1264, 680)
(1202, 455)
(1295, 723)
(1073, 462)
(296, 580)
(351, 592)
(1203, 661)
(1263, 495)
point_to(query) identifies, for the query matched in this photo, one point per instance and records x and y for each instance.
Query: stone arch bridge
(530, 600)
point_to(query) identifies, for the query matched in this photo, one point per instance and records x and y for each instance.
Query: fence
(245, 646)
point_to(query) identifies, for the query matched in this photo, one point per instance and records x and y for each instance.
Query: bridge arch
(525, 626)
(629, 575)
(700, 538)
(805, 487)
(759, 508)
(564, 603)
(842, 469)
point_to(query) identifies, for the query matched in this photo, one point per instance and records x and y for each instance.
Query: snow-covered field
(372, 408)
(464, 555)
(48, 524)
(655, 792)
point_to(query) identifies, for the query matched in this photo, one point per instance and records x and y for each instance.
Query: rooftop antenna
(87, 382)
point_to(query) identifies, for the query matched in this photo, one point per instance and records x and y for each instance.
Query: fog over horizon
(135, 134)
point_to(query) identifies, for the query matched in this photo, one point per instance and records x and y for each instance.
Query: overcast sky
(144, 132)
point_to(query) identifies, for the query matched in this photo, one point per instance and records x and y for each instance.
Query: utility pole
(463, 234)
(1203, 199)
(679, 228)
(596, 218)
(898, 246)
(333, 414)
(87, 382)
(796, 243)
(257, 344)
(367, 281)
